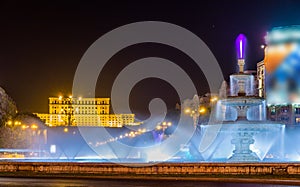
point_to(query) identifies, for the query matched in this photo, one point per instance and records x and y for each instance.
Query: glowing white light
(52, 148)
(241, 49)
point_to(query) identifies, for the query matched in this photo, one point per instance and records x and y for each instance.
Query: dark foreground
(149, 174)
(69, 182)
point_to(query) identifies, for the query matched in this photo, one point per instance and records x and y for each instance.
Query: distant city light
(214, 99)
(66, 130)
(202, 110)
(24, 127)
(17, 123)
(187, 111)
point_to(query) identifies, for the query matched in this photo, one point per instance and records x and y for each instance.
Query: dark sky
(41, 43)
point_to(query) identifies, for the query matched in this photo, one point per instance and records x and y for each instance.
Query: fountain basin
(250, 140)
(242, 101)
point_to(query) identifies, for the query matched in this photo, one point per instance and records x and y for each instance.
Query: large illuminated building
(278, 75)
(69, 111)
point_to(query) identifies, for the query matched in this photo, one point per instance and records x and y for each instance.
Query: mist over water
(56, 145)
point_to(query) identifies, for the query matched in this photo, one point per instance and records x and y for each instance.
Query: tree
(14, 138)
(8, 109)
(223, 90)
(11, 135)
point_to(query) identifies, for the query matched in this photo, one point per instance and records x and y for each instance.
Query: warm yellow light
(34, 126)
(70, 96)
(9, 122)
(60, 97)
(202, 110)
(66, 130)
(187, 111)
(169, 124)
(158, 127)
(79, 98)
(214, 99)
(164, 123)
(24, 127)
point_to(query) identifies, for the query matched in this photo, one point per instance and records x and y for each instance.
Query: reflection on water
(5, 181)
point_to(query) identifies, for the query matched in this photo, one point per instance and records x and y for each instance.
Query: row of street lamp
(16, 123)
(130, 134)
(195, 110)
(163, 126)
(160, 127)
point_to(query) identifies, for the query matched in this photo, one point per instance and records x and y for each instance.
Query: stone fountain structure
(242, 115)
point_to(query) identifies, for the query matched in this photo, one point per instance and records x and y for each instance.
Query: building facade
(286, 113)
(261, 79)
(278, 74)
(69, 111)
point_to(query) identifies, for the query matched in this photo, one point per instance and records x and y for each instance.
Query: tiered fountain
(241, 116)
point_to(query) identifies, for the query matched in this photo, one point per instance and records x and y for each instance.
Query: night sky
(42, 43)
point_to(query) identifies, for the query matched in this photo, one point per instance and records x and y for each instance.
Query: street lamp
(195, 113)
(66, 130)
(194, 109)
(163, 126)
(12, 123)
(202, 110)
(34, 126)
(191, 107)
(213, 99)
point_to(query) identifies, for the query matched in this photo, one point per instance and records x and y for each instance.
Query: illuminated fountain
(241, 119)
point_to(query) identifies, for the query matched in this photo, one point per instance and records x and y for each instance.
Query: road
(69, 182)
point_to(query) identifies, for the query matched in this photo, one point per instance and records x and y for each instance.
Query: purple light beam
(240, 44)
